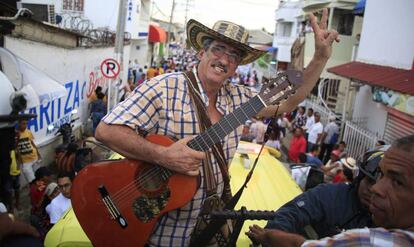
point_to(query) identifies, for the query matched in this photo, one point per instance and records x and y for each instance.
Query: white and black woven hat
(225, 31)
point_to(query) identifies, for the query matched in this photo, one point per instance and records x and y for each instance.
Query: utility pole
(119, 52)
(169, 30)
(187, 7)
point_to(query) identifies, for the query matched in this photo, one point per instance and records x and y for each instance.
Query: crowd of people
(182, 60)
(309, 143)
(49, 193)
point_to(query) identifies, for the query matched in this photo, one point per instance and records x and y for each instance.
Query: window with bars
(73, 5)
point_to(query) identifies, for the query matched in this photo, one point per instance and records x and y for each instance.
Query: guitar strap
(204, 123)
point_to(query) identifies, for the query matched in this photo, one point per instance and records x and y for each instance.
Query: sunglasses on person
(219, 51)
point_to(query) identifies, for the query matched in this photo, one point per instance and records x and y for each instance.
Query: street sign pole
(119, 49)
(167, 46)
(110, 68)
(108, 100)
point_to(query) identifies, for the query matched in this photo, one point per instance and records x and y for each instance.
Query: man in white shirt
(310, 120)
(62, 202)
(315, 132)
(258, 129)
(329, 139)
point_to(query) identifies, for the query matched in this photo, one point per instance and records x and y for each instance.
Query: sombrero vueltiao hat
(349, 162)
(225, 31)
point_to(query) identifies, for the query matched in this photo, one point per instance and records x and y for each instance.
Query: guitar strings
(118, 196)
(150, 175)
(132, 186)
(121, 201)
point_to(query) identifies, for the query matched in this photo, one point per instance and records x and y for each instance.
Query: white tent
(38, 87)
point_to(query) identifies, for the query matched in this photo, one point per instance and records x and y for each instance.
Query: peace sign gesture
(323, 37)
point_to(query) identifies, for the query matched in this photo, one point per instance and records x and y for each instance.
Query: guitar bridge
(111, 207)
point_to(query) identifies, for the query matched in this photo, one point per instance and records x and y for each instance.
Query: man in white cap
(164, 106)
(52, 191)
(329, 139)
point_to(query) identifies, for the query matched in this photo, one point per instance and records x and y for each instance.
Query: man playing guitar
(163, 106)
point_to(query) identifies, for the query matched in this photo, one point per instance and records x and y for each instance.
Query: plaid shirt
(366, 237)
(163, 106)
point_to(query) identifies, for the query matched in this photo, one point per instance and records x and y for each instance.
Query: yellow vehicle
(270, 187)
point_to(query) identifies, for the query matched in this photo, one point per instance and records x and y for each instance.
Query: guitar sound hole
(150, 179)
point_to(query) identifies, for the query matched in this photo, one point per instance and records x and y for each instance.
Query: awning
(316, 5)
(359, 7)
(156, 34)
(400, 80)
(267, 48)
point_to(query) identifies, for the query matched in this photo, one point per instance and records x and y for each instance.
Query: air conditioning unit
(52, 14)
(41, 12)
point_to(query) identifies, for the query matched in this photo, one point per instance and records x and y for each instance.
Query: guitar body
(119, 202)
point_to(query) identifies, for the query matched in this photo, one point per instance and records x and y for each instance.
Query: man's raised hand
(323, 37)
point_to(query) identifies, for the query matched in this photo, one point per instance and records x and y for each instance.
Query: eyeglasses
(219, 51)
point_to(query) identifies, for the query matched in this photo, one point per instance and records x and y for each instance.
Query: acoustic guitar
(119, 202)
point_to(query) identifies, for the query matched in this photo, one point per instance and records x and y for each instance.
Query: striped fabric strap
(217, 149)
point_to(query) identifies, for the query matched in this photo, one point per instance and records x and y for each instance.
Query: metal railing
(313, 103)
(358, 140)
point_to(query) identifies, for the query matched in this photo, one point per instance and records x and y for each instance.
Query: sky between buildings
(252, 14)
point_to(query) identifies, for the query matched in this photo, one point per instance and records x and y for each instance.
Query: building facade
(289, 23)
(383, 75)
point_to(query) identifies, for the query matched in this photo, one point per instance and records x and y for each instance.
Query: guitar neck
(227, 124)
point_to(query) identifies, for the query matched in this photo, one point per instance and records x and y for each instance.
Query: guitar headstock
(280, 88)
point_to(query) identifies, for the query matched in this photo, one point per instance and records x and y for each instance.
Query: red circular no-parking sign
(110, 68)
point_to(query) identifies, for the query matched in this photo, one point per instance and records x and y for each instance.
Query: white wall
(375, 113)
(287, 12)
(388, 34)
(139, 50)
(138, 26)
(77, 69)
(104, 13)
(138, 18)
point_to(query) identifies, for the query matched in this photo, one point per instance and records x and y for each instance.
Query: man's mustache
(219, 64)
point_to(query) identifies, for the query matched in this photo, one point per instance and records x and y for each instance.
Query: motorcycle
(70, 157)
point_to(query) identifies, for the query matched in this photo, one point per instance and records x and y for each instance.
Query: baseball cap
(369, 163)
(50, 188)
(336, 152)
